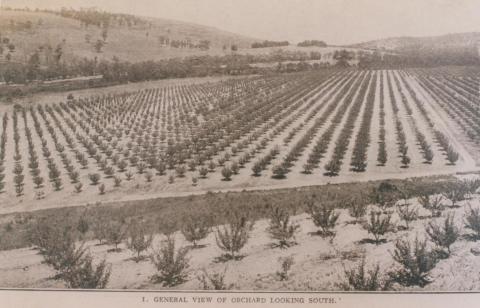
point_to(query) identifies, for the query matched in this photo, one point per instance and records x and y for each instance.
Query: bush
(385, 195)
(87, 276)
(115, 233)
(148, 176)
(323, 216)
(171, 265)
(455, 192)
(279, 171)
(281, 228)
(57, 246)
(139, 240)
(359, 279)
(407, 214)
(234, 235)
(472, 221)
(215, 281)
(285, 266)
(357, 208)
(195, 228)
(432, 203)
(416, 262)
(472, 186)
(257, 169)
(203, 172)
(94, 178)
(117, 181)
(180, 171)
(57, 184)
(227, 173)
(443, 235)
(378, 225)
(101, 189)
(78, 187)
(452, 155)
(332, 167)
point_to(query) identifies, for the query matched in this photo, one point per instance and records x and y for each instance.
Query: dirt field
(295, 122)
(319, 263)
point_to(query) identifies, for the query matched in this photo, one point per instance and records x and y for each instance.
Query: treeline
(312, 43)
(90, 17)
(115, 69)
(420, 58)
(266, 44)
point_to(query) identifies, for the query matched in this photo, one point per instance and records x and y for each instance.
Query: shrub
(281, 228)
(148, 176)
(180, 171)
(122, 166)
(323, 216)
(227, 173)
(285, 266)
(203, 172)
(215, 281)
(234, 235)
(78, 187)
(332, 167)
(443, 235)
(234, 167)
(101, 189)
(117, 181)
(361, 279)
(257, 169)
(357, 208)
(472, 221)
(87, 276)
(195, 228)
(385, 195)
(38, 181)
(455, 192)
(279, 171)
(432, 203)
(452, 155)
(56, 243)
(405, 160)
(211, 166)
(57, 246)
(139, 240)
(57, 184)
(472, 186)
(141, 166)
(115, 233)
(129, 176)
(378, 225)
(416, 262)
(407, 214)
(83, 225)
(94, 178)
(171, 265)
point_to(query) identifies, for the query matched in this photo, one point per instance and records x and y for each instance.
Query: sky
(334, 21)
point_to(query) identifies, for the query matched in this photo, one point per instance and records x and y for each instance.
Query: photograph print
(226, 145)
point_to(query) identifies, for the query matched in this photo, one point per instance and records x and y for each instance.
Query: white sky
(335, 21)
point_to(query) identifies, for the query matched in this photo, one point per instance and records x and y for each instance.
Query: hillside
(403, 44)
(143, 39)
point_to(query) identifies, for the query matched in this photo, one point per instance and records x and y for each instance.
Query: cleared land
(255, 132)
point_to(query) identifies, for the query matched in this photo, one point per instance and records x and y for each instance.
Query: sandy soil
(319, 263)
(139, 188)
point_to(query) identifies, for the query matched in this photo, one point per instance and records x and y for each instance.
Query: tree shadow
(372, 241)
(228, 257)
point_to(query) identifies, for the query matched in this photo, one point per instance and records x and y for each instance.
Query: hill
(127, 37)
(405, 44)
